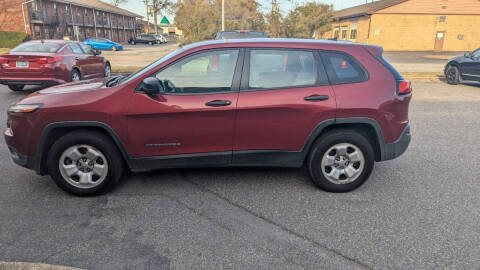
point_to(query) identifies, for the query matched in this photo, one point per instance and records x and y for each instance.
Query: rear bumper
(397, 148)
(31, 81)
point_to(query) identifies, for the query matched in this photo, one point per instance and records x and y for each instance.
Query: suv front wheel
(341, 160)
(85, 163)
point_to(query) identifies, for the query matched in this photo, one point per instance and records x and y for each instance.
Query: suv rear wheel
(341, 161)
(85, 163)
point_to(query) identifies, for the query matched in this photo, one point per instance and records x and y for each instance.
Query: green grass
(12, 39)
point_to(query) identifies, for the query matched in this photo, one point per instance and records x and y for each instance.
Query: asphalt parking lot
(420, 211)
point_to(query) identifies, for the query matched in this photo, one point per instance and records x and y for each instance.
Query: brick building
(76, 19)
(411, 25)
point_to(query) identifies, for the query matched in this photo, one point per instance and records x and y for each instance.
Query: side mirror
(97, 52)
(468, 55)
(150, 86)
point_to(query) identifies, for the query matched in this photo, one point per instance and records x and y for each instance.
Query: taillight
(3, 60)
(49, 60)
(404, 87)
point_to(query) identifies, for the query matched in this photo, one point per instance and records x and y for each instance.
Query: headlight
(24, 108)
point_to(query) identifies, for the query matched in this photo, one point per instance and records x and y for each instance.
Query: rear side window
(271, 69)
(342, 68)
(37, 47)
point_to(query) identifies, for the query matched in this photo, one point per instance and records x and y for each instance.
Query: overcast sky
(138, 7)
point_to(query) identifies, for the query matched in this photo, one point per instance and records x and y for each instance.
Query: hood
(459, 58)
(81, 86)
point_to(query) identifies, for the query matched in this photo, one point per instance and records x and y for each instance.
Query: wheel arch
(56, 130)
(367, 126)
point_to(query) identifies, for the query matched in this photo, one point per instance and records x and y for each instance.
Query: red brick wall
(11, 18)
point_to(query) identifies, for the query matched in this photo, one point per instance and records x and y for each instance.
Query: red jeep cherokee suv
(336, 107)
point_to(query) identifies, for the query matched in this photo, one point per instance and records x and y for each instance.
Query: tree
(201, 19)
(157, 6)
(309, 20)
(118, 2)
(275, 21)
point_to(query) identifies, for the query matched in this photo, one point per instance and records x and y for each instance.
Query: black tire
(75, 72)
(150, 43)
(324, 144)
(107, 71)
(99, 141)
(452, 75)
(16, 87)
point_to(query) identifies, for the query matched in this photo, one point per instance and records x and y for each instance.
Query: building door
(439, 38)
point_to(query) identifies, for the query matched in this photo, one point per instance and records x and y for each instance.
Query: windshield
(37, 47)
(150, 67)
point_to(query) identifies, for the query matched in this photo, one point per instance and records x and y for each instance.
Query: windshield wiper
(113, 81)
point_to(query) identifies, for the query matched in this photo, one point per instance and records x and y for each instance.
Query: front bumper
(23, 160)
(397, 148)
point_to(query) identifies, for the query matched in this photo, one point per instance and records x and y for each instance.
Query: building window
(86, 12)
(460, 37)
(344, 32)
(353, 34)
(34, 5)
(37, 31)
(335, 33)
(442, 18)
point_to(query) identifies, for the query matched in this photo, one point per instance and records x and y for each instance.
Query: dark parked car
(50, 62)
(143, 38)
(335, 106)
(237, 34)
(463, 68)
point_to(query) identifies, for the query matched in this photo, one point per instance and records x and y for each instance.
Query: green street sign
(164, 20)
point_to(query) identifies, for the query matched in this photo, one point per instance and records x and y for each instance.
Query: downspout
(110, 22)
(95, 22)
(73, 21)
(369, 24)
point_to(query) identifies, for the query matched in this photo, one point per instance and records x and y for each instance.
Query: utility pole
(223, 15)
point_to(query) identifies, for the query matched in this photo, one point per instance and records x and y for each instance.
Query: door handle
(76, 58)
(218, 103)
(316, 98)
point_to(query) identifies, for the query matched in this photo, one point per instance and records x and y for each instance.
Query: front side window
(476, 53)
(206, 72)
(86, 49)
(342, 68)
(74, 48)
(281, 69)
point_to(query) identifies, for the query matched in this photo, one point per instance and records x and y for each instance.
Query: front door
(195, 115)
(470, 67)
(439, 38)
(96, 62)
(284, 95)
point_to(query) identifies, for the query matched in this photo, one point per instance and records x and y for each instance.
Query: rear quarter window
(343, 68)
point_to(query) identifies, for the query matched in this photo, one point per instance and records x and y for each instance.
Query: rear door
(195, 116)
(284, 95)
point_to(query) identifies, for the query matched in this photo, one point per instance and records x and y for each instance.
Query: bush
(12, 39)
